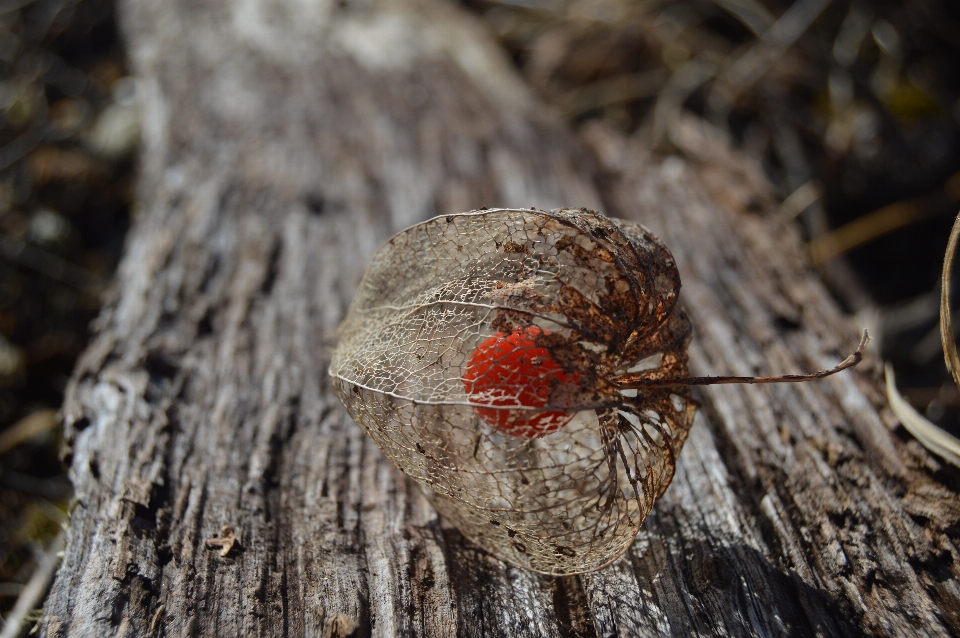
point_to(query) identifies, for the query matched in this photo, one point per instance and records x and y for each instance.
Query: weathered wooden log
(283, 141)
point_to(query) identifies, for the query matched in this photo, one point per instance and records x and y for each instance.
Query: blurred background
(853, 109)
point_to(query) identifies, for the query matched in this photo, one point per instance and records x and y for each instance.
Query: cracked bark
(283, 142)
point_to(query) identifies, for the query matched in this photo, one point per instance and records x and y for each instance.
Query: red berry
(514, 371)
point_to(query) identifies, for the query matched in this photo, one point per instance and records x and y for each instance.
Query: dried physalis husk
(529, 370)
(481, 354)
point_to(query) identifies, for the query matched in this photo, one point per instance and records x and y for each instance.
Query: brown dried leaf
(226, 542)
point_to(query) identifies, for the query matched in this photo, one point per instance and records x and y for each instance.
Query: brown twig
(849, 362)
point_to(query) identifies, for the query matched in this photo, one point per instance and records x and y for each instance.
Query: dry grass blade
(27, 428)
(621, 88)
(35, 590)
(946, 324)
(929, 435)
(885, 220)
(862, 230)
(750, 13)
(752, 65)
(800, 200)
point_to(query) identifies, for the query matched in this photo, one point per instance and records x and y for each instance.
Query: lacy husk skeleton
(581, 307)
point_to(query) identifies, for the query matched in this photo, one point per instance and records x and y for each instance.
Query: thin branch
(849, 362)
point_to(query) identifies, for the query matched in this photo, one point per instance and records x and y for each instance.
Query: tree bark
(283, 142)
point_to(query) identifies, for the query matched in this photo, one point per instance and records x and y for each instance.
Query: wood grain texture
(283, 142)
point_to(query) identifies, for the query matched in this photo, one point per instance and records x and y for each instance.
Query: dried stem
(946, 324)
(849, 362)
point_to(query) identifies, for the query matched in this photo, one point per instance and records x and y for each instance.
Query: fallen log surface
(222, 490)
